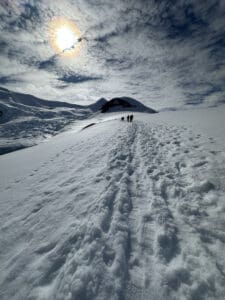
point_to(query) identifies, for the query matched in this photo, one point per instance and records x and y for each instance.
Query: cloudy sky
(164, 53)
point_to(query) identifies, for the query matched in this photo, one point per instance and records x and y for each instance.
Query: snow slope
(116, 211)
(26, 120)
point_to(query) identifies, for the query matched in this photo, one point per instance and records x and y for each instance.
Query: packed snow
(116, 211)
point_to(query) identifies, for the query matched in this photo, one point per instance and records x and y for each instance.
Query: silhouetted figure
(131, 118)
(128, 118)
(122, 118)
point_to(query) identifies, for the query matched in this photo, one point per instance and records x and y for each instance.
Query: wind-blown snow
(116, 211)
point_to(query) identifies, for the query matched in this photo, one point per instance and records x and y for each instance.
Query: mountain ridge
(25, 120)
(126, 103)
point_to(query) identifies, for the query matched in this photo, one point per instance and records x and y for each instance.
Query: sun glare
(64, 37)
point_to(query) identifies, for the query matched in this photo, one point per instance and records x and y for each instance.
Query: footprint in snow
(199, 164)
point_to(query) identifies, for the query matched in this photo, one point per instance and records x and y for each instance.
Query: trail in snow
(176, 255)
(123, 211)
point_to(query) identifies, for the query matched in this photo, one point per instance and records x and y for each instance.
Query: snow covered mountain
(25, 120)
(125, 103)
(118, 211)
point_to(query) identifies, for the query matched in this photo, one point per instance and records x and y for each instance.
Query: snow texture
(116, 211)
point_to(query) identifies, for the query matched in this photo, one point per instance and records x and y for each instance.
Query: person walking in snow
(131, 118)
(128, 118)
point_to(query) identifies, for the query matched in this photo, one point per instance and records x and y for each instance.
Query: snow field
(117, 211)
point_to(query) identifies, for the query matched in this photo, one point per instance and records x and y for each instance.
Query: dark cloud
(8, 79)
(197, 92)
(166, 53)
(28, 19)
(18, 16)
(48, 64)
(77, 78)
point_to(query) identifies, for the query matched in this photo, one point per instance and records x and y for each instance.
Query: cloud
(165, 53)
(48, 64)
(77, 78)
(8, 79)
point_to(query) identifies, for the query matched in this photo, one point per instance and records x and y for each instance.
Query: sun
(65, 37)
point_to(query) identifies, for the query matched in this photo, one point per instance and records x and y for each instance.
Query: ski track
(145, 222)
